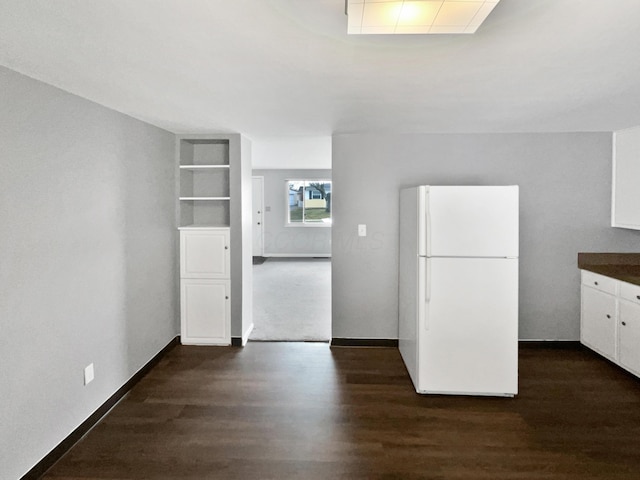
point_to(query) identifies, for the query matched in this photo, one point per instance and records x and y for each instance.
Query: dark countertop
(621, 266)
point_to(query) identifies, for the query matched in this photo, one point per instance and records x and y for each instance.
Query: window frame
(305, 183)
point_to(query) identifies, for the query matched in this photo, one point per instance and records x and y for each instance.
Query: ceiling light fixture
(416, 16)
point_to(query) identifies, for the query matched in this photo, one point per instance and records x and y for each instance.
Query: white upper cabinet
(625, 209)
(204, 253)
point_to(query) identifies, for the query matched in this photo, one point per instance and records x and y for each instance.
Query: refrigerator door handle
(423, 282)
(427, 226)
(428, 282)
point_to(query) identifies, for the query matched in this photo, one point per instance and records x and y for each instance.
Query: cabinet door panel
(204, 253)
(205, 312)
(598, 321)
(626, 172)
(629, 336)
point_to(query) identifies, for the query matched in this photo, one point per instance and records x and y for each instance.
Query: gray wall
(282, 240)
(87, 260)
(565, 190)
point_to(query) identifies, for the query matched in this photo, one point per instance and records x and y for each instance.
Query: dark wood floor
(305, 411)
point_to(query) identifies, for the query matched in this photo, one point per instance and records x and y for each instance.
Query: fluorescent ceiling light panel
(417, 16)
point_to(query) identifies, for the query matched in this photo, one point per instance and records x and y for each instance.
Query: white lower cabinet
(598, 323)
(629, 336)
(610, 319)
(205, 311)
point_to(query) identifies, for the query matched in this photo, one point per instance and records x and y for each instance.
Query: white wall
(565, 195)
(291, 152)
(87, 260)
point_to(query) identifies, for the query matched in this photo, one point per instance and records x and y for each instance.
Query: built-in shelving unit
(204, 182)
(213, 197)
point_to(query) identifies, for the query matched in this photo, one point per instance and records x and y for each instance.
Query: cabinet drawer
(599, 282)
(630, 292)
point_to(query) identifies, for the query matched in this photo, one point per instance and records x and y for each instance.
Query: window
(309, 202)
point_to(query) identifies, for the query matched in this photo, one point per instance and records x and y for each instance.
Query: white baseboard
(301, 255)
(523, 340)
(245, 336)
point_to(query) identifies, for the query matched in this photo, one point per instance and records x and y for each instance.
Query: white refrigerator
(458, 289)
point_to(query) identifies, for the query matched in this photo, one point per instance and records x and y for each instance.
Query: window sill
(308, 225)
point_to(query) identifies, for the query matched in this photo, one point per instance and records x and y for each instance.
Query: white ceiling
(287, 67)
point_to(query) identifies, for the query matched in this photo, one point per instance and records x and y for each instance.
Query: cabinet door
(204, 308)
(629, 336)
(204, 253)
(626, 174)
(598, 321)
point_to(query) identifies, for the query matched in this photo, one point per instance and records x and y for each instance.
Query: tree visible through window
(309, 202)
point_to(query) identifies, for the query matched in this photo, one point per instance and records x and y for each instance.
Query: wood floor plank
(307, 411)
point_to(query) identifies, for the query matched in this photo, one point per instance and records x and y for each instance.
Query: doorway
(292, 256)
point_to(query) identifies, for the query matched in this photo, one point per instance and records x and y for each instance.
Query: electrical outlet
(88, 374)
(362, 230)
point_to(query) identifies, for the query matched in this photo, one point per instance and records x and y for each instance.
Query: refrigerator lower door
(468, 338)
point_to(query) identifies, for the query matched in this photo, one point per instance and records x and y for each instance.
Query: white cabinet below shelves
(204, 253)
(205, 311)
(205, 317)
(625, 211)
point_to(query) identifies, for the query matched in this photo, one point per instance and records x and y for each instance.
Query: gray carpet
(292, 299)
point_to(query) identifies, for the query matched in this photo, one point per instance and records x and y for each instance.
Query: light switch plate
(362, 230)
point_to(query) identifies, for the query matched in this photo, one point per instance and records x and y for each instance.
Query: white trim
(548, 340)
(191, 199)
(245, 336)
(323, 255)
(613, 181)
(306, 225)
(303, 224)
(202, 167)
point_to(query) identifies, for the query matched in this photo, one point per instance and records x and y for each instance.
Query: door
(469, 333)
(258, 216)
(472, 221)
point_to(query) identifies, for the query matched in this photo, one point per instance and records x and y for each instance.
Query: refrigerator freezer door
(472, 221)
(468, 342)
